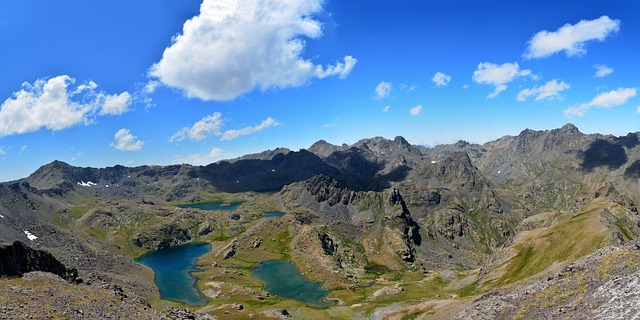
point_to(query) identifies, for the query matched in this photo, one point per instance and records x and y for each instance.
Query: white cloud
(408, 87)
(465, 86)
(125, 141)
(570, 38)
(204, 128)
(441, 79)
(199, 159)
(151, 86)
(55, 104)
(89, 86)
(415, 111)
(116, 104)
(2, 151)
(499, 75)
(340, 69)
(232, 134)
(549, 91)
(609, 99)
(497, 90)
(386, 108)
(234, 46)
(332, 124)
(383, 89)
(211, 125)
(602, 70)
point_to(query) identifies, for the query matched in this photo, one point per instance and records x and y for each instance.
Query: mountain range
(543, 224)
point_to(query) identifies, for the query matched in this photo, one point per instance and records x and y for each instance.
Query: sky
(106, 82)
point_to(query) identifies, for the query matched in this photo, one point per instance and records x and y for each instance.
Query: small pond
(274, 214)
(282, 278)
(172, 267)
(216, 205)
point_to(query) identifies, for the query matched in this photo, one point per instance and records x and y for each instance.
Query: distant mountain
(503, 213)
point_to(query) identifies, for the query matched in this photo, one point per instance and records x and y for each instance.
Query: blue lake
(282, 278)
(217, 205)
(274, 214)
(172, 267)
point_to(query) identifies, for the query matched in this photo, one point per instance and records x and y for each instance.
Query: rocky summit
(543, 224)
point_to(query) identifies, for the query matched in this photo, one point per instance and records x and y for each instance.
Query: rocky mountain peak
(322, 149)
(51, 175)
(399, 140)
(461, 144)
(569, 128)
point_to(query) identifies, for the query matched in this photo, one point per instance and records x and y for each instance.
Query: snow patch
(30, 235)
(432, 161)
(1, 216)
(499, 171)
(273, 170)
(87, 184)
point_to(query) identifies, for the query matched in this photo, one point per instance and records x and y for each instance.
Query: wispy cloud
(415, 111)
(570, 38)
(499, 75)
(125, 141)
(609, 99)
(383, 90)
(549, 91)
(441, 79)
(211, 125)
(56, 104)
(602, 71)
(200, 59)
(80, 154)
(332, 124)
(199, 159)
(204, 128)
(407, 87)
(233, 134)
(386, 108)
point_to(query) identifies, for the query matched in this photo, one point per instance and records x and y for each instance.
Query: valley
(540, 224)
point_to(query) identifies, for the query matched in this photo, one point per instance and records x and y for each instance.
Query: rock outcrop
(17, 259)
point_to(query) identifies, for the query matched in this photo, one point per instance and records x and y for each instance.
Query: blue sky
(106, 82)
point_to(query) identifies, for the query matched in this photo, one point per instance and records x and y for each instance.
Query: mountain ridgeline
(501, 208)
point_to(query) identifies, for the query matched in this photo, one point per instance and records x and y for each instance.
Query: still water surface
(172, 267)
(217, 205)
(282, 278)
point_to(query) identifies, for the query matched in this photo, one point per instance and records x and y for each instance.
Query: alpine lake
(173, 267)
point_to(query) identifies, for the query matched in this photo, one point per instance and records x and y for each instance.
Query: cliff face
(17, 259)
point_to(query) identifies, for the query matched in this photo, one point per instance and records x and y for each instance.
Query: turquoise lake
(217, 205)
(172, 267)
(274, 214)
(282, 278)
